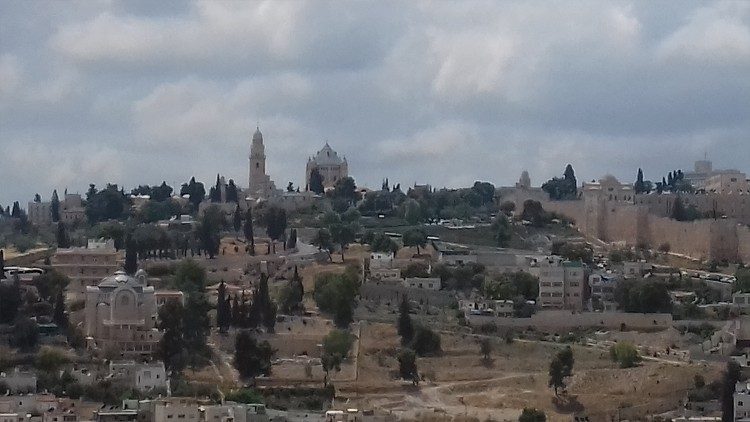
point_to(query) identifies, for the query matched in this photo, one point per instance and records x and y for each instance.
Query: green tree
(291, 243)
(639, 185)
(237, 219)
(338, 342)
(172, 348)
(335, 295)
(59, 316)
(415, 237)
(405, 327)
(189, 277)
(275, 221)
(208, 228)
(323, 240)
(502, 230)
(533, 212)
(743, 280)
(570, 178)
(264, 305)
(10, 301)
(195, 190)
(345, 189)
(412, 211)
(625, 354)
(343, 234)
(55, 206)
(316, 182)
(382, 243)
(485, 348)
(109, 203)
(50, 360)
(291, 295)
(232, 194)
(252, 359)
(131, 256)
(485, 190)
(407, 366)
(330, 362)
(63, 241)
(566, 358)
(556, 374)
(426, 342)
(678, 210)
(50, 284)
(248, 229)
(531, 414)
(223, 312)
(25, 334)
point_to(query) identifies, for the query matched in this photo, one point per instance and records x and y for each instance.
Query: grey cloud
(439, 92)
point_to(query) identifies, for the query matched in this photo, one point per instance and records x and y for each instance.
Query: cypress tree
(638, 187)
(237, 220)
(63, 241)
(16, 212)
(249, 234)
(678, 209)
(131, 256)
(570, 178)
(55, 206)
(223, 315)
(405, 326)
(236, 312)
(59, 316)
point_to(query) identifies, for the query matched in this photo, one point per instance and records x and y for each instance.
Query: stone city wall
(620, 222)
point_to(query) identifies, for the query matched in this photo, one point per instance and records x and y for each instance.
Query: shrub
(625, 354)
(531, 414)
(244, 395)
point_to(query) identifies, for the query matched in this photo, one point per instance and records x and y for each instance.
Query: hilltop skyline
(136, 93)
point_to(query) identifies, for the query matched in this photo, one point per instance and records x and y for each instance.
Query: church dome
(120, 278)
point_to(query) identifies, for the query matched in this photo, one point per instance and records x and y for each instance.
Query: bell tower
(257, 162)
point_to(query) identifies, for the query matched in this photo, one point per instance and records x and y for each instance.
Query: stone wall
(633, 224)
(743, 243)
(393, 293)
(560, 319)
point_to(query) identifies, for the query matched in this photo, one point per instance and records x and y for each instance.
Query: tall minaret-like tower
(257, 163)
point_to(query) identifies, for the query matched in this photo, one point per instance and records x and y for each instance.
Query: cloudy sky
(136, 92)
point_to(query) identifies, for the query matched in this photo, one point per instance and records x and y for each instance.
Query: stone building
(121, 315)
(561, 284)
(731, 181)
(259, 183)
(704, 177)
(328, 163)
(140, 376)
(86, 266)
(71, 210)
(40, 213)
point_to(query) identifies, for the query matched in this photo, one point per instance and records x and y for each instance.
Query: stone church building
(328, 163)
